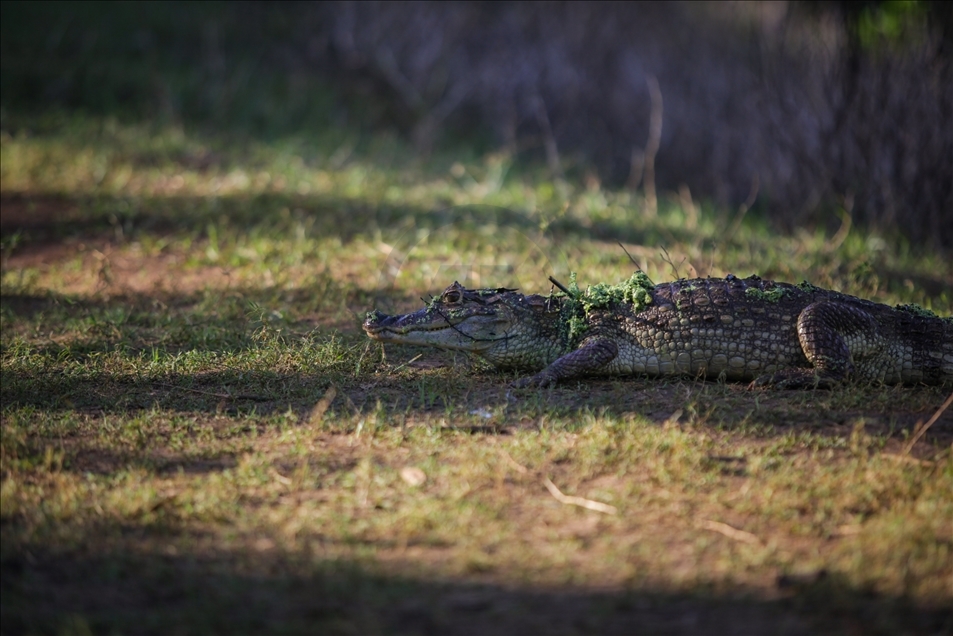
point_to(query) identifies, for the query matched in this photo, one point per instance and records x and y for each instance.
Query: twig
(560, 285)
(841, 235)
(515, 464)
(350, 403)
(731, 533)
(387, 64)
(281, 478)
(221, 396)
(743, 210)
(636, 168)
(668, 259)
(688, 207)
(321, 407)
(672, 419)
(549, 140)
(652, 144)
(638, 267)
(923, 429)
(908, 459)
(588, 504)
(411, 361)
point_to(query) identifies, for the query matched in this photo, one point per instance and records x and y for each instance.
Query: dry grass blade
(512, 462)
(411, 361)
(910, 460)
(280, 478)
(317, 413)
(588, 504)
(731, 533)
(672, 419)
(652, 144)
(221, 396)
(918, 433)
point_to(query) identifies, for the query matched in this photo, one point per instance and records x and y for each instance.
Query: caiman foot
(590, 358)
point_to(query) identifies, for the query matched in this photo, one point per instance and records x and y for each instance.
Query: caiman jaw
(380, 326)
(431, 328)
(506, 328)
(461, 320)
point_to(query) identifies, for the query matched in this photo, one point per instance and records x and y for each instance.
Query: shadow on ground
(364, 375)
(425, 395)
(171, 587)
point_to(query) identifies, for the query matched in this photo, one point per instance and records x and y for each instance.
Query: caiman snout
(375, 320)
(383, 327)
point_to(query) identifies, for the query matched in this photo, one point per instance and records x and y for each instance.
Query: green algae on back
(729, 327)
(770, 295)
(636, 291)
(923, 312)
(807, 287)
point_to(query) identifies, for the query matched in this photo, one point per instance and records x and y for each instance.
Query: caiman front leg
(586, 360)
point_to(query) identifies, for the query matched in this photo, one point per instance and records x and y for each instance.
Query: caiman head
(506, 328)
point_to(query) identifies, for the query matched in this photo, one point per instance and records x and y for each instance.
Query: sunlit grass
(184, 381)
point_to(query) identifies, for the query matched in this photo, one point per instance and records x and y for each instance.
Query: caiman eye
(452, 297)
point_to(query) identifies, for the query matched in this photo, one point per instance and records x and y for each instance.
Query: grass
(197, 437)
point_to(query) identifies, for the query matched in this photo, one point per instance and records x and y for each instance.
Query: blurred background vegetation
(810, 110)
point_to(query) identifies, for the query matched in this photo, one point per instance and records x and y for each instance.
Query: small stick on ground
(317, 413)
(910, 460)
(557, 494)
(280, 478)
(731, 533)
(221, 396)
(411, 361)
(918, 433)
(515, 464)
(588, 504)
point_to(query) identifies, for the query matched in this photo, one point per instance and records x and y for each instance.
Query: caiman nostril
(374, 318)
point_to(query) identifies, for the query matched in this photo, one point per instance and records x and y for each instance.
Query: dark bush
(817, 108)
(813, 106)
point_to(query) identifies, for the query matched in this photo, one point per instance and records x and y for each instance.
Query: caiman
(736, 329)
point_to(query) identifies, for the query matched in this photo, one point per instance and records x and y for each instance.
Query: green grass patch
(196, 435)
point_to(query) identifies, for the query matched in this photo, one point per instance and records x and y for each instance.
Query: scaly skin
(793, 336)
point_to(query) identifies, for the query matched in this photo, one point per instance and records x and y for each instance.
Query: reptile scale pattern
(718, 328)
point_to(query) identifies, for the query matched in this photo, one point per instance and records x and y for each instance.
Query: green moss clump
(576, 325)
(807, 287)
(771, 295)
(917, 310)
(635, 291)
